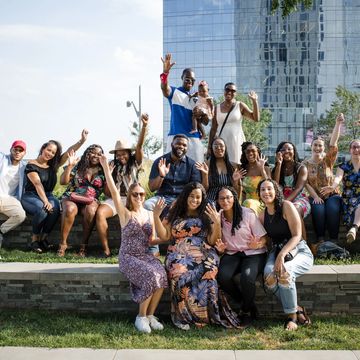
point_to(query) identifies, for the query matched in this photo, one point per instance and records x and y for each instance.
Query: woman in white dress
(232, 131)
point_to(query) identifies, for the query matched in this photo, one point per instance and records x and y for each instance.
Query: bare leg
(155, 299)
(143, 307)
(69, 213)
(88, 221)
(102, 214)
(194, 124)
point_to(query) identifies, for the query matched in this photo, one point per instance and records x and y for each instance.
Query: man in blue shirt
(181, 109)
(12, 169)
(171, 172)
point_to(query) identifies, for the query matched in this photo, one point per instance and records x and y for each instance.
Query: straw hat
(121, 145)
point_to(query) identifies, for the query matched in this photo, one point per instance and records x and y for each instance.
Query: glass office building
(294, 64)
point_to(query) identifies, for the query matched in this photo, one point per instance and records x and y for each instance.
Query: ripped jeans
(285, 288)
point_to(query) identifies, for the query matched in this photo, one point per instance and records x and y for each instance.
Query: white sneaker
(185, 327)
(154, 322)
(142, 324)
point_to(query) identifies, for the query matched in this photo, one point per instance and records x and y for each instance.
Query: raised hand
(220, 246)
(84, 135)
(253, 95)
(144, 119)
(159, 207)
(111, 165)
(279, 158)
(167, 64)
(104, 162)
(211, 212)
(163, 169)
(261, 161)
(238, 174)
(72, 159)
(340, 118)
(202, 167)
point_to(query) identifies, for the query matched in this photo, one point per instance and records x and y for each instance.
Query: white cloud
(38, 33)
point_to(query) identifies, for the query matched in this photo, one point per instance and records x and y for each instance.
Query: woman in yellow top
(256, 168)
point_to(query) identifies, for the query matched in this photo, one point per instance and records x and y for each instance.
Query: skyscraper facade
(294, 64)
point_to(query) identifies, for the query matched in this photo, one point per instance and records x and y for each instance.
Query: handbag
(227, 115)
(81, 199)
(290, 255)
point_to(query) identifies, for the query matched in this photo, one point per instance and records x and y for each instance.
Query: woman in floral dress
(194, 228)
(84, 178)
(145, 272)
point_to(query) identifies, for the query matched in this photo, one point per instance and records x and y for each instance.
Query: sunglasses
(230, 90)
(137, 194)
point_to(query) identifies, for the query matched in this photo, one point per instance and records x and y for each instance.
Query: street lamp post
(137, 111)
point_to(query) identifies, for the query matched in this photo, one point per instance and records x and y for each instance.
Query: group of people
(226, 220)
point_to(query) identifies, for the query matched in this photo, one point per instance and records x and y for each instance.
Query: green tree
(152, 144)
(348, 103)
(289, 6)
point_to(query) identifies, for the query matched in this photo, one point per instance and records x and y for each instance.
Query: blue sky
(68, 65)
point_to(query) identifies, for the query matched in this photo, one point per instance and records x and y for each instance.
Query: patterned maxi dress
(144, 271)
(192, 266)
(351, 191)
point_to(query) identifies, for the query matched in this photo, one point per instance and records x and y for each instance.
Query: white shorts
(109, 202)
(195, 149)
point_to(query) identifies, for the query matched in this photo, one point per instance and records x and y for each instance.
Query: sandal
(288, 321)
(61, 250)
(302, 316)
(82, 251)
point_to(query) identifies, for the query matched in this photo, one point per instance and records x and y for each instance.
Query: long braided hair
(179, 209)
(84, 163)
(297, 164)
(237, 209)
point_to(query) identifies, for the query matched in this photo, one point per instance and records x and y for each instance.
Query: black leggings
(249, 267)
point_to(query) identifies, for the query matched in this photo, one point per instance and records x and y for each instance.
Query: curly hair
(297, 164)
(128, 204)
(243, 160)
(55, 161)
(237, 209)
(279, 197)
(179, 207)
(84, 160)
(213, 171)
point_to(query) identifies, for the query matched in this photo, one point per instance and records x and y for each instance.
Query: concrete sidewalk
(22, 353)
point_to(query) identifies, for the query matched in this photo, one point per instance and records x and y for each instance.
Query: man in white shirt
(12, 169)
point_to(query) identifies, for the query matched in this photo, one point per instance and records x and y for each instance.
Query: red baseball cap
(19, 143)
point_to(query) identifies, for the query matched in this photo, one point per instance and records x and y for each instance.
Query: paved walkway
(22, 353)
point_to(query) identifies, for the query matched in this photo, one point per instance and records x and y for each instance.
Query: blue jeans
(326, 215)
(42, 221)
(301, 263)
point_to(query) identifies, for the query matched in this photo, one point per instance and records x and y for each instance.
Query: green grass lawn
(60, 329)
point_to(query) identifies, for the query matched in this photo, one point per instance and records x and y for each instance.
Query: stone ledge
(325, 289)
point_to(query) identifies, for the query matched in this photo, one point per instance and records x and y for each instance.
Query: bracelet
(164, 77)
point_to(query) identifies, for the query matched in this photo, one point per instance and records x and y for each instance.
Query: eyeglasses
(227, 197)
(355, 147)
(137, 194)
(230, 90)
